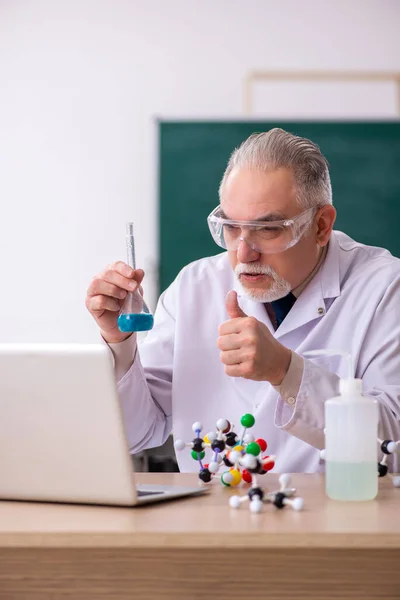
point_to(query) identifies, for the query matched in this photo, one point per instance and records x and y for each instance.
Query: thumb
(232, 306)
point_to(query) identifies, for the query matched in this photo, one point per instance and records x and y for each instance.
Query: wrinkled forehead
(252, 195)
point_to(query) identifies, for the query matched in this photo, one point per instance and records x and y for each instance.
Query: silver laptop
(62, 436)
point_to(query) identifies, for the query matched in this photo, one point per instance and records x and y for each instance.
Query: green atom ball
(247, 420)
(253, 448)
(197, 455)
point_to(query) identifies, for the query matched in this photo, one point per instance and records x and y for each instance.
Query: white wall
(82, 82)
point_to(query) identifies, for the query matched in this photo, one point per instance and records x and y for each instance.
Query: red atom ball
(246, 476)
(269, 465)
(262, 443)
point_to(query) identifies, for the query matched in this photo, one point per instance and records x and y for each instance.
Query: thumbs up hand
(232, 306)
(248, 349)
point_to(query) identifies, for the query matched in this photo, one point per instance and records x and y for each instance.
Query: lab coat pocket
(250, 393)
(334, 364)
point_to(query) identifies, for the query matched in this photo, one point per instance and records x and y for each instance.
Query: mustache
(255, 269)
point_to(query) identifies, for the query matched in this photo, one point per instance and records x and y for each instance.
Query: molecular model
(245, 459)
(387, 447)
(280, 498)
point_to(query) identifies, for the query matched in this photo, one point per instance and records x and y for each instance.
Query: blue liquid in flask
(134, 315)
(135, 322)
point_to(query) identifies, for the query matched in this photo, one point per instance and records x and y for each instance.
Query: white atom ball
(212, 436)
(298, 504)
(249, 437)
(234, 501)
(222, 424)
(213, 467)
(285, 480)
(256, 506)
(249, 461)
(227, 477)
(234, 456)
(197, 426)
(179, 445)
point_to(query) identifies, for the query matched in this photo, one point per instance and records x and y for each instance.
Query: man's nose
(246, 253)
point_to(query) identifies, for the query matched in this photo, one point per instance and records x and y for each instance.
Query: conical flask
(134, 314)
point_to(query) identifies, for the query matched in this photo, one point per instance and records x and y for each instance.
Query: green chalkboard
(364, 162)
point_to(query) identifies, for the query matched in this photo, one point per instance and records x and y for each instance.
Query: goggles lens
(266, 237)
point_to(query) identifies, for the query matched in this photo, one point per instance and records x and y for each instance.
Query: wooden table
(199, 548)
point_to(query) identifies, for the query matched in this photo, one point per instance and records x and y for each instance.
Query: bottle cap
(350, 386)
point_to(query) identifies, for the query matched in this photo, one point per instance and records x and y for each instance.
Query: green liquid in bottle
(351, 481)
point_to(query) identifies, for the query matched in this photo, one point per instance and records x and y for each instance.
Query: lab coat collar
(312, 303)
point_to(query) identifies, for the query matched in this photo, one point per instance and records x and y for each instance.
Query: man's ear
(325, 220)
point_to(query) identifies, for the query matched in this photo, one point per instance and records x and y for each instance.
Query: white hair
(277, 148)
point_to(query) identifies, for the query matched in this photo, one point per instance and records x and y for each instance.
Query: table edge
(188, 540)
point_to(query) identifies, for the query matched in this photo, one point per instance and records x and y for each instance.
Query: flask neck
(130, 252)
(130, 245)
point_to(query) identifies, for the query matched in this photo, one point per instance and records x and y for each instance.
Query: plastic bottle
(351, 453)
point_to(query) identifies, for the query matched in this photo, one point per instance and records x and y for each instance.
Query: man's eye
(229, 227)
(271, 229)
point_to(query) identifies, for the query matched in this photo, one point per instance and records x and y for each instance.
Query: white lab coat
(351, 304)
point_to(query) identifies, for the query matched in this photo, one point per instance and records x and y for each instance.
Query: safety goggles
(265, 237)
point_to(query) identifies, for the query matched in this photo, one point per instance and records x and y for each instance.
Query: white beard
(278, 289)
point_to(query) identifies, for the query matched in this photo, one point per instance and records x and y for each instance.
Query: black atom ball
(256, 491)
(227, 462)
(231, 439)
(198, 445)
(279, 498)
(382, 470)
(218, 444)
(205, 475)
